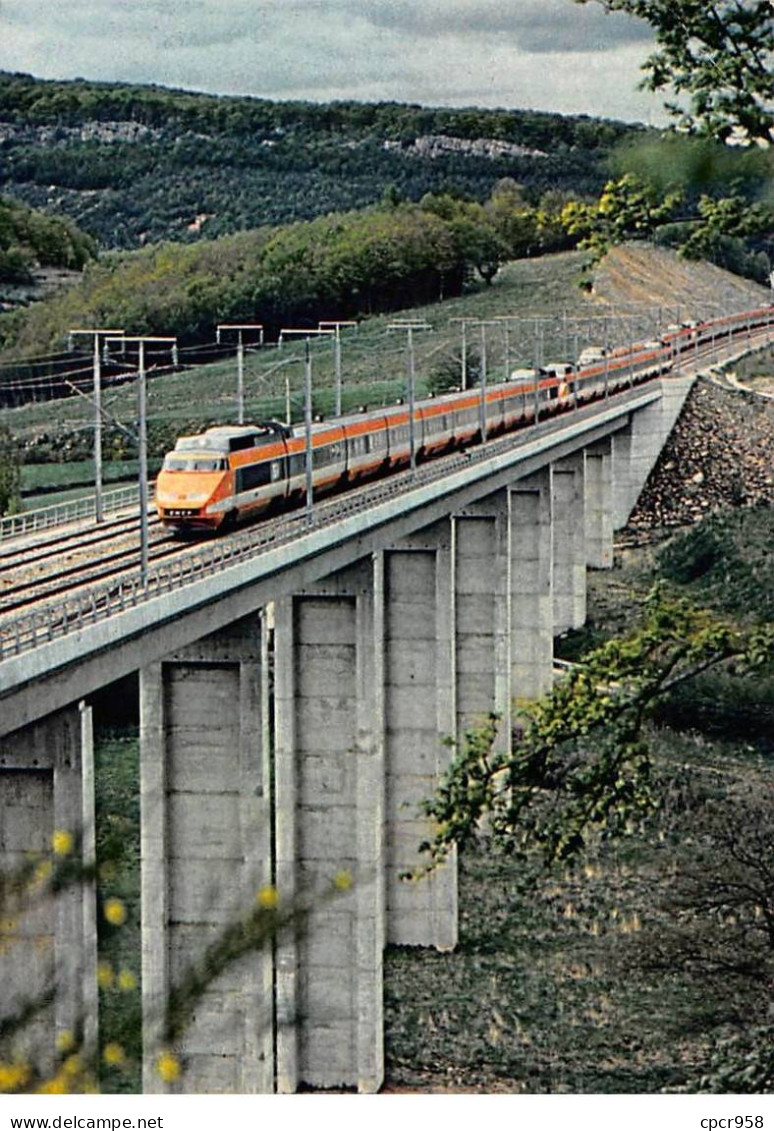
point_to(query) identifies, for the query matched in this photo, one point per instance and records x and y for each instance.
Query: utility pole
(536, 386)
(336, 327)
(482, 386)
(482, 380)
(410, 327)
(464, 323)
(308, 433)
(96, 335)
(142, 441)
(238, 328)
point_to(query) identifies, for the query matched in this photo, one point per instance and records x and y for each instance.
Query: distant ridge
(140, 164)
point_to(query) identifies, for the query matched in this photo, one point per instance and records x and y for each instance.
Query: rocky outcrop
(106, 132)
(439, 145)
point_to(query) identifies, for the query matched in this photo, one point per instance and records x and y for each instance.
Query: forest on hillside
(140, 164)
(29, 239)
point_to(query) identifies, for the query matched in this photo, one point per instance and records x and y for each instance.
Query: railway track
(21, 594)
(65, 561)
(41, 549)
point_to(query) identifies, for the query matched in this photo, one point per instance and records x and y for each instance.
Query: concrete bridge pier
(329, 753)
(503, 602)
(482, 615)
(569, 523)
(532, 586)
(47, 785)
(599, 505)
(420, 714)
(621, 474)
(206, 851)
(364, 696)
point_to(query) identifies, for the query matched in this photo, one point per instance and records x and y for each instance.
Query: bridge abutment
(647, 432)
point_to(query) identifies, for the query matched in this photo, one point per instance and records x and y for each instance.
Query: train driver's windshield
(194, 463)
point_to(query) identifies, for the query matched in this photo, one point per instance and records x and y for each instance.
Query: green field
(373, 361)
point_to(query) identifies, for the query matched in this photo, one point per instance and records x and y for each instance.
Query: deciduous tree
(719, 54)
(582, 764)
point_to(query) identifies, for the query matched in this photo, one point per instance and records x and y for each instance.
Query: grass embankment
(201, 394)
(45, 484)
(56, 436)
(556, 321)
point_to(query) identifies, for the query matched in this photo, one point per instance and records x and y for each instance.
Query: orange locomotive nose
(183, 495)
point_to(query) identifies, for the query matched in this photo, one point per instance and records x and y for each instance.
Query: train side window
(276, 470)
(252, 476)
(358, 445)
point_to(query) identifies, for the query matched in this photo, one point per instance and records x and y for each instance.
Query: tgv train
(228, 472)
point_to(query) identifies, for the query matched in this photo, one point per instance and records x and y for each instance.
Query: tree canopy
(582, 767)
(717, 52)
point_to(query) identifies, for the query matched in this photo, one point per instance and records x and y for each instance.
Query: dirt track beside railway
(640, 273)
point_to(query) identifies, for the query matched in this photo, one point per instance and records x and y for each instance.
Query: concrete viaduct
(293, 712)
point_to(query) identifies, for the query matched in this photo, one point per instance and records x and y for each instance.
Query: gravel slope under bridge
(720, 454)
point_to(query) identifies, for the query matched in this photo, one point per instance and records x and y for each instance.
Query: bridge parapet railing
(44, 518)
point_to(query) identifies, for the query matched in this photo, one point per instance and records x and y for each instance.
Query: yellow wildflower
(114, 911)
(342, 881)
(41, 874)
(62, 842)
(72, 1066)
(168, 1067)
(13, 1076)
(65, 1041)
(127, 980)
(56, 1086)
(105, 976)
(113, 1054)
(268, 898)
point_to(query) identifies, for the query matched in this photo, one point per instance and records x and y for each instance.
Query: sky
(520, 54)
